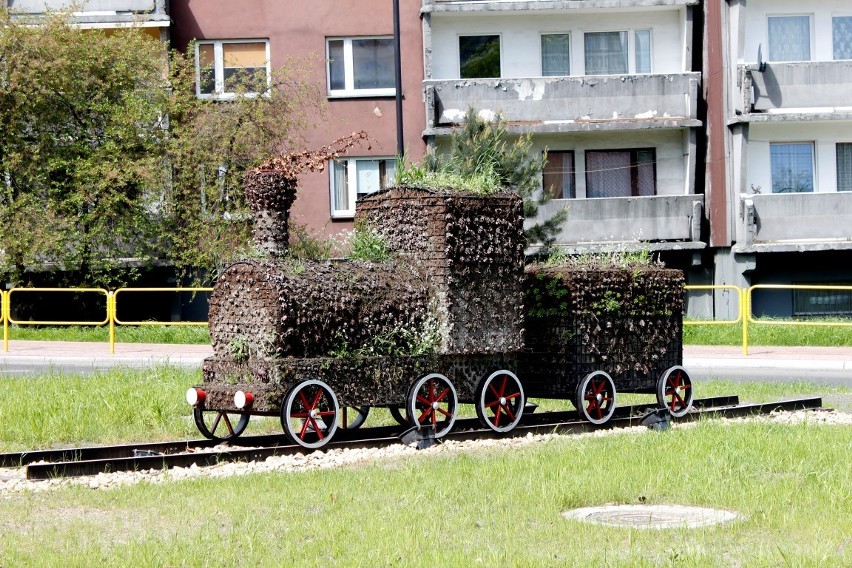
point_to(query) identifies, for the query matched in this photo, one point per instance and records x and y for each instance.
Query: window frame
(349, 91)
(811, 39)
(837, 146)
(541, 52)
(634, 169)
(572, 173)
(631, 50)
(812, 144)
(499, 37)
(833, 17)
(352, 182)
(219, 68)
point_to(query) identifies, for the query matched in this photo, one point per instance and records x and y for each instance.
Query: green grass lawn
(791, 484)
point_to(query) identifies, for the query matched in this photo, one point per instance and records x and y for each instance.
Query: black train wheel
(218, 424)
(596, 397)
(309, 414)
(352, 417)
(432, 403)
(674, 391)
(500, 401)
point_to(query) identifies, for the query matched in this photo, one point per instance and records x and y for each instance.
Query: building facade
(351, 50)
(610, 89)
(788, 141)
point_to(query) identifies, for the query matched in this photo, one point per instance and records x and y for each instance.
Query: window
(621, 173)
(555, 54)
(789, 38)
(352, 178)
(361, 66)
(822, 302)
(558, 175)
(844, 166)
(479, 57)
(642, 41)
(224, 68)
(792, 167)
(613, 53)
(841, 34)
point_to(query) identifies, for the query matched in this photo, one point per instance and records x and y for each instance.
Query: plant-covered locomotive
(453, 317)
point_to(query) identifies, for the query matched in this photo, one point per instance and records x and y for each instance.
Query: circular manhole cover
(651, 516)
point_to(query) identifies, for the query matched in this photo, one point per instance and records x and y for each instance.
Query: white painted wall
(824, 135)
(821, 12)
(521, 43)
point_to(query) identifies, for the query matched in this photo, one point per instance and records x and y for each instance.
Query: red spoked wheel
(352, 417)
(219, 424)
(500, 401)
(432, 403)
(596, 397)
(309, 414)
(674, 391)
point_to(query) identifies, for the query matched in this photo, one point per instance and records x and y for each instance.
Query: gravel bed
(12, 480)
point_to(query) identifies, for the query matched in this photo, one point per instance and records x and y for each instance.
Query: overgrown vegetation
(604, 260)
(482, 160)
(413, 340)
(110, 160)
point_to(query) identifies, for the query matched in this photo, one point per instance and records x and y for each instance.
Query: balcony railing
(526, 5)
(673, 220)
(798, 85)
(570, 103)
(795, 221)
(41, 6)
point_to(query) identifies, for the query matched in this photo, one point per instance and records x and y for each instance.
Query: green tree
(80, 132)
(110, 161)
(211, 144)
(483, 158)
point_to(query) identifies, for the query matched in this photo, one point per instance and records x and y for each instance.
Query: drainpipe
(397, 63)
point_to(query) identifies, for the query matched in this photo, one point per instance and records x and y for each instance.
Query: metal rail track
(47, 464)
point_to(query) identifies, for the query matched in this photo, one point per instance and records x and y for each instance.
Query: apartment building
(610, 89)
(787, 216)
(351, 46)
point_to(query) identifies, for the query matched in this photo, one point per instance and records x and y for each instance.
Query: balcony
(807, 90)
(663, 222)
(430, 6)
(100, 13)
(791, 222)
(568, 104)
(41, 6)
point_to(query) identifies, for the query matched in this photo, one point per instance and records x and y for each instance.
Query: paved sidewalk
(141, 354)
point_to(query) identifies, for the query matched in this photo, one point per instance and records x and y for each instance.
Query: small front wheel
(309, 414)
(596, 397)
(674, 391)
(219, 424)
(432, 402)
(500, 401)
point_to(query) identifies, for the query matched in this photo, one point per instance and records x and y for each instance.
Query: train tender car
(452, 319)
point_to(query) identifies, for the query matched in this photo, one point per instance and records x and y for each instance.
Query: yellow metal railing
(113, 321)
(745, 318)
(749, 318)
(111, 310)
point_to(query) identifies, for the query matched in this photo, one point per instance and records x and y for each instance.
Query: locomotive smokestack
(270, 194)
